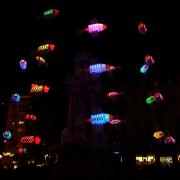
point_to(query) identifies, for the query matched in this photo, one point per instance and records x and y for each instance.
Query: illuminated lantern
(27, 140)
(36, 88)
(97, 27)
(111, 68)
(27, 116)
(142, 28)
(23, 64)
(33, 117)
(149, 60)
(158, 134)
(51, 13)
(144, 68)
(99, 68)
(100, 118)
(112, 94)
(51, 47)
(94, 28)
(158, 97)
(37, 140)
(150, 100)
(16, 97)
(7, 134)
(20, 150)
(169, 139)
(46, 89)
(115, 121)
(40, 59)
(45, 48)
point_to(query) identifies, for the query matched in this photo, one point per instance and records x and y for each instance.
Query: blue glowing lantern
(23, 64)
(144, 68)
(16, 97)
(100, 118)
(7, 134)
(97, 68)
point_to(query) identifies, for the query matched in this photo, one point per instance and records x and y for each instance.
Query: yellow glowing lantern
(158, 134)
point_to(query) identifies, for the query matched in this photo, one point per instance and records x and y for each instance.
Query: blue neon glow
(144, 68)
(100, 118)
(16, 97)
(7, 134)
(97, 68)
(23, 64)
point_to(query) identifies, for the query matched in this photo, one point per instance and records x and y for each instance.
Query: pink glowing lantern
(158, 97)
(94, 28)
(112, 94)
(149, 60)
(116, 121)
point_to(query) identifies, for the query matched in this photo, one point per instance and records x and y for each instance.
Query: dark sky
(23, 30)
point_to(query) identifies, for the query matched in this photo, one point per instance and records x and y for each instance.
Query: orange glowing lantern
(158, 134)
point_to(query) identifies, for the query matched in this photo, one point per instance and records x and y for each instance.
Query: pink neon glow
(116, 121)
(149, 60)
(158, 96)
(97, 27)
(113, 93)
(20, 150)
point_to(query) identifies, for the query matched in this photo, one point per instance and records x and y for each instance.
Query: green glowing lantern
(150, 100)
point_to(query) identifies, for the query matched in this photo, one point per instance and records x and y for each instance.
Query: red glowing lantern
(27, 139)
(27, 116)
(46, 89)
(37, 140)
(142, 28)
(51, 47)
(33, 117)
(20, 150)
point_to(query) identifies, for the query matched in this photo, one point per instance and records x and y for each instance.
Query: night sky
(23, 30)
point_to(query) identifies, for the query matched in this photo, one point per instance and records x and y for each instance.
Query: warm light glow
(142, 28)
(40, 59)
(45, 47)
(37, 140)
(39, 88)
(27, 139)
(46, 89)
(36, 88)
(158, 134)
(113, 93)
